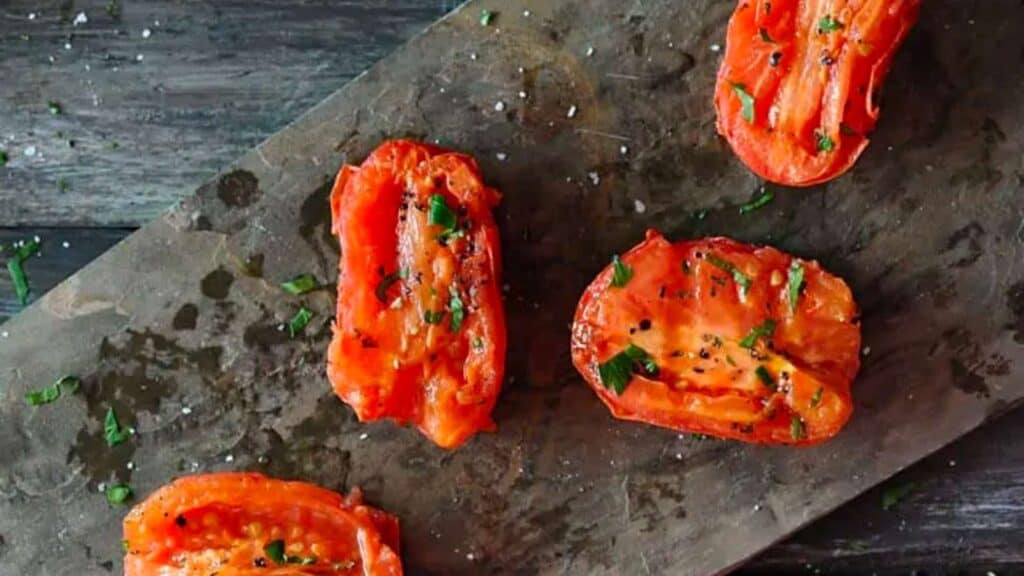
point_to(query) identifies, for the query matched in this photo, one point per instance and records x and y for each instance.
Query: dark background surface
(215, 78)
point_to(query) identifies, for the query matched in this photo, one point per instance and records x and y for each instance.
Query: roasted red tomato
(717, 337)
(236, 524)
(420, 333)
(796, 94)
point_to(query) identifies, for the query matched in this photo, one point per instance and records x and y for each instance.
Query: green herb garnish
(3, 158)
(796, 428)
(118, 494)
(622, 273)
(478, 343)
(14, 265)
(829, 24)
(816, 399)
(125, 546)
(68, 384)
(766, 378)
(795, 284)
(299, 322)
(486, 16)
(740, 278)
(729, 360)
(618, 371)
(439, 214)
(300, 284)
(386, 282)
(458, 309)
(765, 36)
(761, 201)
(275, 551)
(892, 495)
(765, 330)
(746, 100)
(112, 430)
(54, 107)
(431, 317)
(825, 144)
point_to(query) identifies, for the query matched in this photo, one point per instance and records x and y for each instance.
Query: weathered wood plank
(958, 516)
(152, 117)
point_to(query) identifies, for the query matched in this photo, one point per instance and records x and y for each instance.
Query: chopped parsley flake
(740, 278)
(386, 282)
(112, 430)
(458, 309)
(54, 107)
(765, 330)
(622, 273)
(300, 284)
(762, 200)
(766, 378)
(795, 284)
(796, 428)
(746, 100)
(478, 343)
(299, 322)
(816, 399)
(486, 16)
(14, 266)
(3, 157)
(892, 495)
(432, 317)
(618, 371)
(765, 36)
(118, 494)
(52, 392)
(825, 144)
(829, 24)
(441, 215)
(275, 551)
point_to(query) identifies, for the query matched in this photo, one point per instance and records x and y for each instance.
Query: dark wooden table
(106, 119)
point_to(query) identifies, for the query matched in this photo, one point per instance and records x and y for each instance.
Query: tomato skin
(406, 357)
(220, 523)
(692, 320)
(824, 83)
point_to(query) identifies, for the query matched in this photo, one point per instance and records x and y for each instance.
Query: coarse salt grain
(572, 111)
(590, 50)
(472, 55)
(623, 149)
(639, 207)
(186, 410)
(31, 15)
(501, 156)
(65, 244)
(67, 45)
(81, 18)
(499, 106)
(595, 178)
(139, 57)
(229, 458)
(522, 94)
(715, 48)
(146, 32)
(364, 436)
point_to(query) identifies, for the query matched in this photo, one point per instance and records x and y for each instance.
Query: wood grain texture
(958, 518)
(152, 118)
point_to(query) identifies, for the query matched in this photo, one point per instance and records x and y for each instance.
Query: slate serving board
(178, 327)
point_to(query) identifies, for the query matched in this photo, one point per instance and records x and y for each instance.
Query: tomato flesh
(224, 523)
(734, 358)
(420, 331)
(813, 69)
